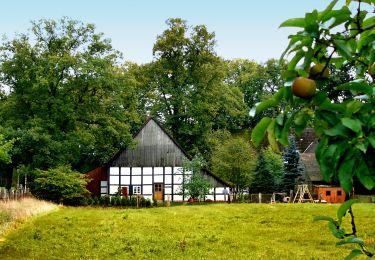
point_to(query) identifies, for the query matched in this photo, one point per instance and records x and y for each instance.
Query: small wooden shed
(329, 193)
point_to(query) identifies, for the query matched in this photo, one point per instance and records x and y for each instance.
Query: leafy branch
(346, 127)
(347, 238)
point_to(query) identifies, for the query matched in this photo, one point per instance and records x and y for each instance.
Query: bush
(133, 201)
(125, 201)
(116, 201)
(82, 202)
(246, 197)
(89, 201)
(101, 201)
(242, 198)
(154, 203)
(60, 185)
(142, 202)
(106, 200)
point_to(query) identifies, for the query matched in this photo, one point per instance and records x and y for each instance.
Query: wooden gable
(312, 170)
(154, 148)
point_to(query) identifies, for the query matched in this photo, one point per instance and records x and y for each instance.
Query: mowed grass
(215, 231)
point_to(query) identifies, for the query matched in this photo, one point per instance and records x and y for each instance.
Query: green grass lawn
(215, 231)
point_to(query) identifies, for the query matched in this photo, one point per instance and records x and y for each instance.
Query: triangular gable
(155, 147)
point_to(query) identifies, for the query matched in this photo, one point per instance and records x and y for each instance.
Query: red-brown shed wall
(330, 194)
(97, 175)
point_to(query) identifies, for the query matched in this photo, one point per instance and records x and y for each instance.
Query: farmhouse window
(339, 193)
(328, 193)
(158, 187)
(136, 189)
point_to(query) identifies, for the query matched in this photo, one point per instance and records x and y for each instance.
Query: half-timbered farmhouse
(152, 168)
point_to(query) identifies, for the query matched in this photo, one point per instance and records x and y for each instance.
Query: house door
(158, 191)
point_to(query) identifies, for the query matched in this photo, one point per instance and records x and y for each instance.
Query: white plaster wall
(168, 179)
(177, 197)
(220, 190)
(148, 197)
(147, 179)
(114, 171)
(113, 189)
(158, 170)
(177, 188)
(147, 189)
(158, 178)
(220, 197)
(114, 179)
(147, 170)
(136, 171)
(125, 180)
(177, 170)
(125, 171)
(168, 170)
(177, 179)
(136, 180)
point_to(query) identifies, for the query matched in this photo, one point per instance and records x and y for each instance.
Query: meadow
(13, 213)
(213, 231)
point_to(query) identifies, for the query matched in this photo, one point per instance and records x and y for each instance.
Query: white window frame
(136, 190)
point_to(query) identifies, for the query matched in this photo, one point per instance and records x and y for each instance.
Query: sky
(243, 28)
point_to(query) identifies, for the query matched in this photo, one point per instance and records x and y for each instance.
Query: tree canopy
(234, 160)
(68, 101)
(186, 86)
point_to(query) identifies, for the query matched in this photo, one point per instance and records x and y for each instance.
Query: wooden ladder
(301, 191)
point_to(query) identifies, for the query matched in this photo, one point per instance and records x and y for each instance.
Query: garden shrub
(124, 201)
(106, 200)
(95, 201)
(89, 201)
(133, 201)
(101, 201)
(60, 185)
(116, 201)
(142, 202)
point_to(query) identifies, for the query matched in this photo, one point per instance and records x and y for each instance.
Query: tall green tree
(257, 82)
(186, 82)
(292, 166)
(5, 150)
(195, 185)
(275, 165)
(68, 100)
(264, 180)
(234, 160)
